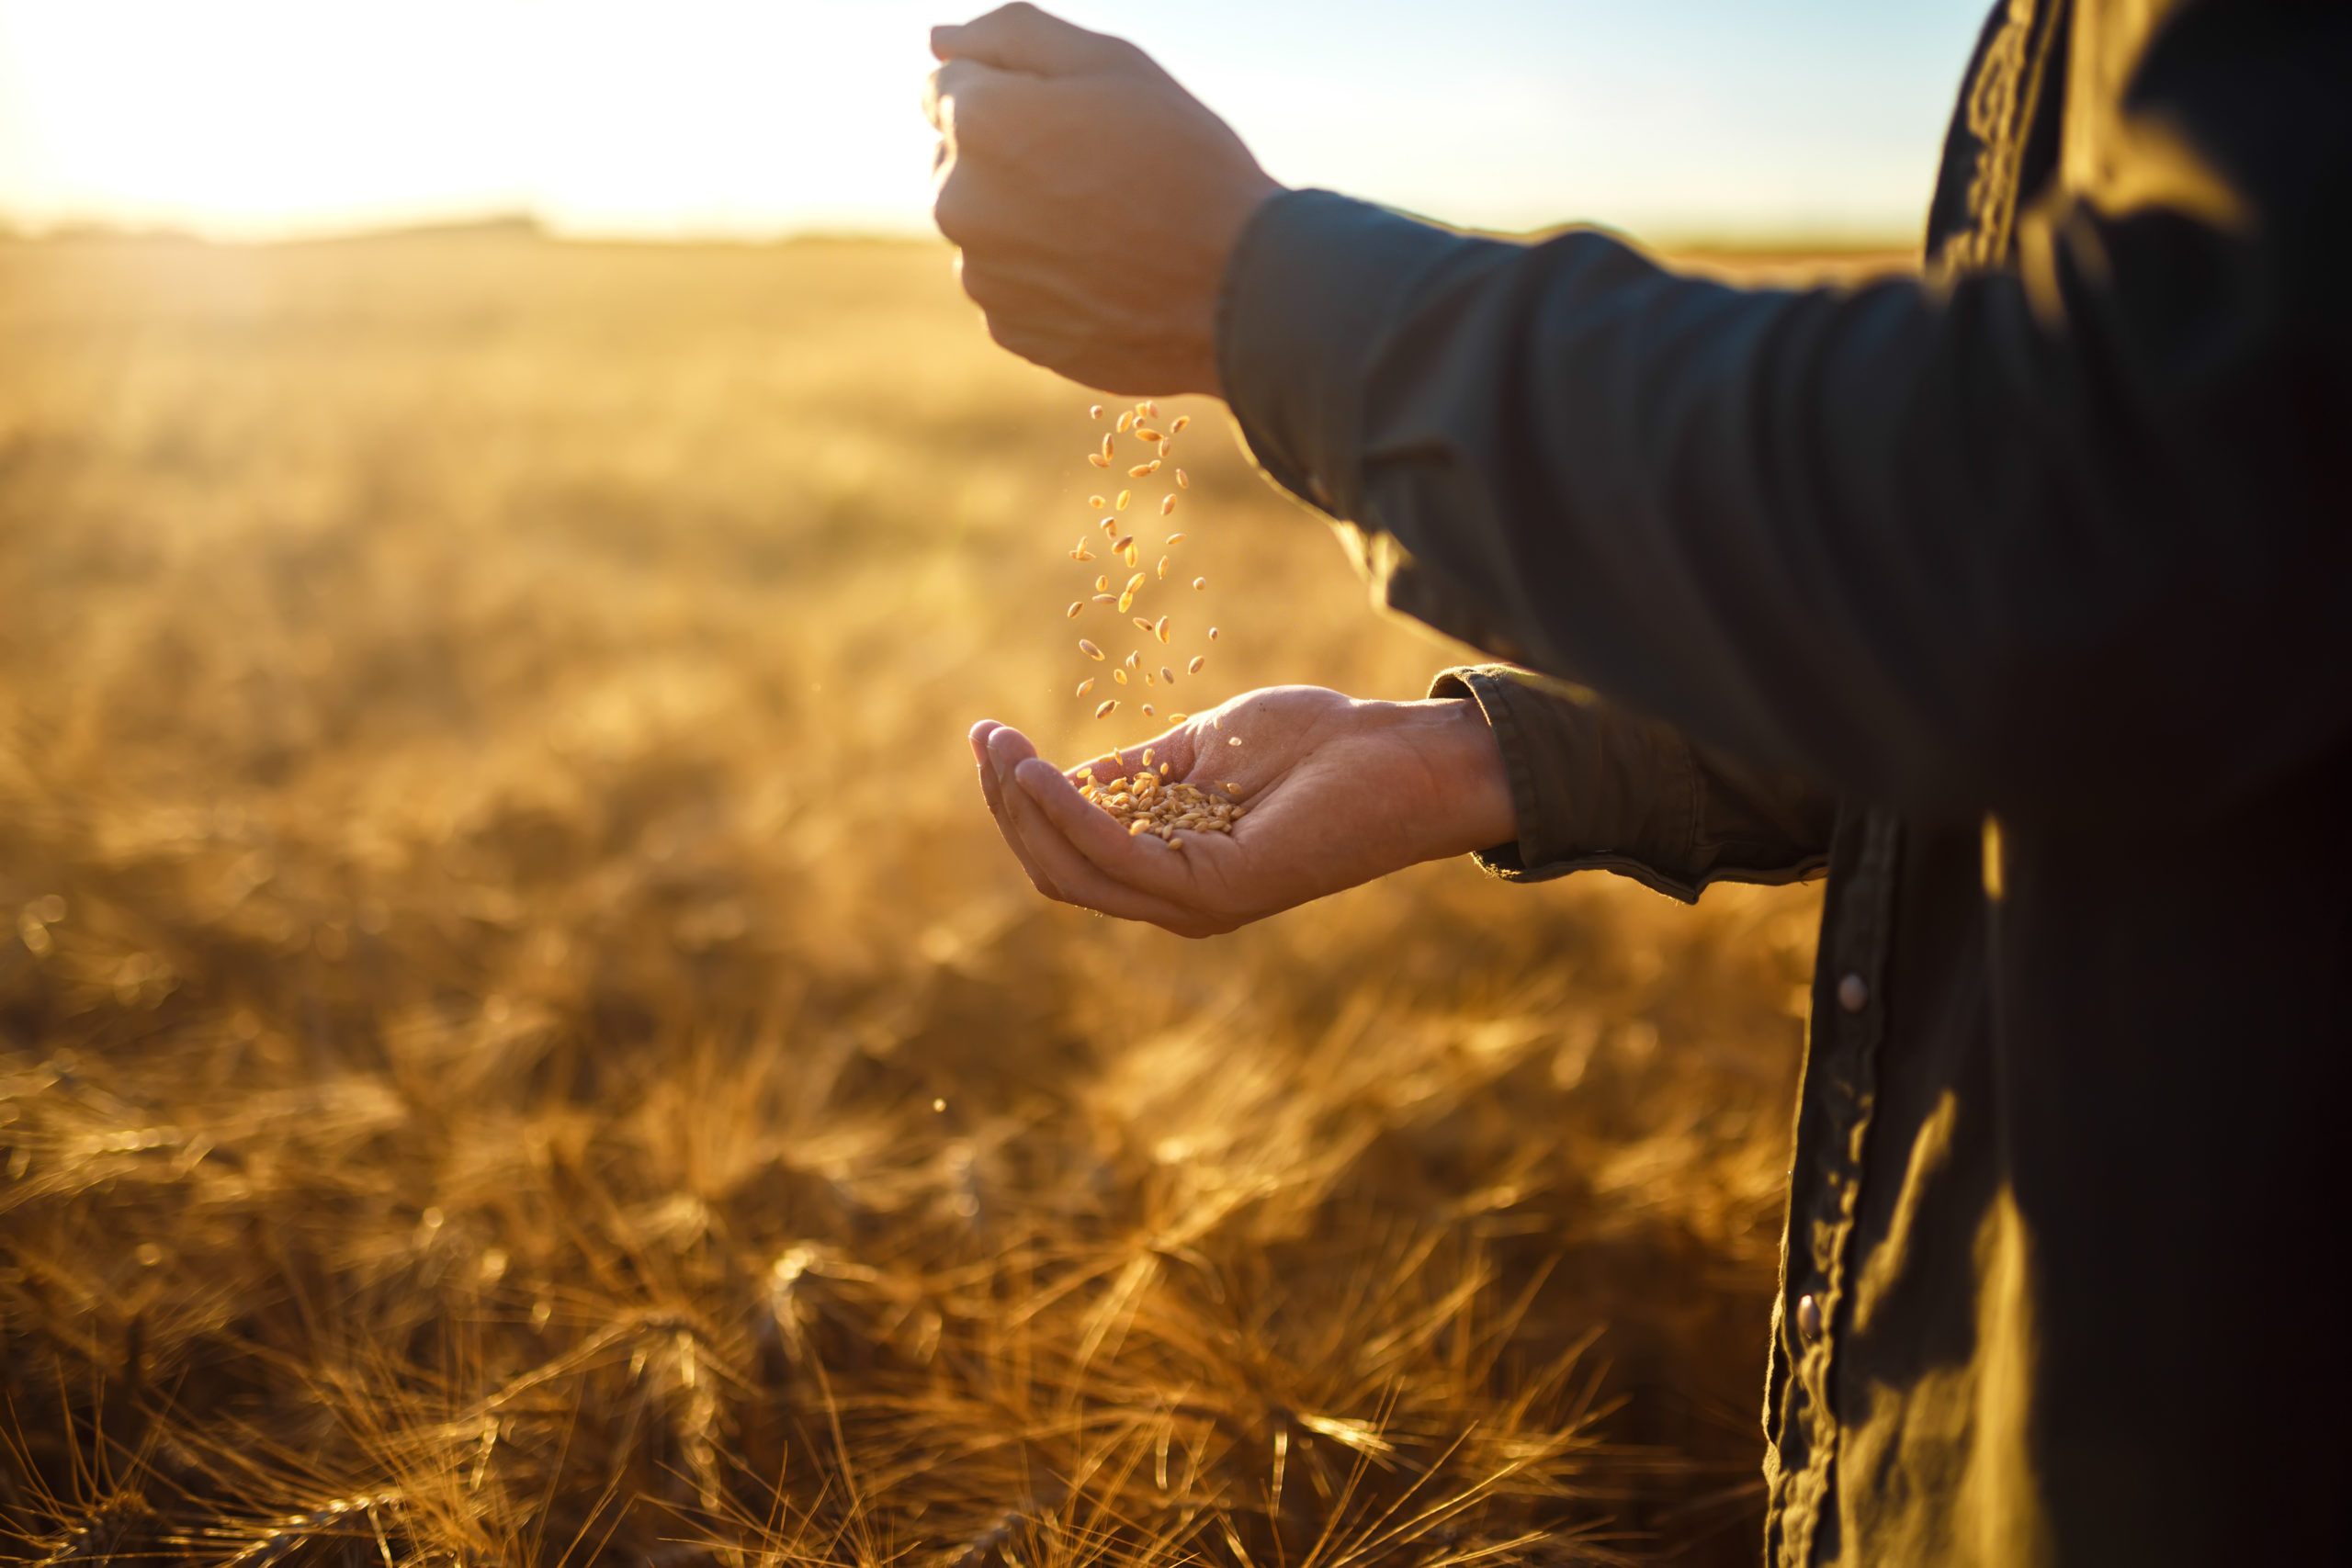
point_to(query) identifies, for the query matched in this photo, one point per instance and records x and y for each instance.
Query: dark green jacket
(2021, 595)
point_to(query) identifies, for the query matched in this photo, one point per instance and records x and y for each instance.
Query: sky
(1681, 119)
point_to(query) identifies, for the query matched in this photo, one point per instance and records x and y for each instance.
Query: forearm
(1944, 547)
(1596, 787)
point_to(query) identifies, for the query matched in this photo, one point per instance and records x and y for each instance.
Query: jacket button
(1853, 993)
(1808, 1319)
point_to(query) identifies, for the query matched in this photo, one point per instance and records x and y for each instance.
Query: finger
(1081, 880)
(992, 790)
(1063, 353)
(1038, 327)
(1022, 38)
(1152, 869)
(986, 281)
(1090, 886)
(959, 90)
(972, 206)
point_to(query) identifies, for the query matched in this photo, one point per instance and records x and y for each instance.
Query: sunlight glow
(260, 116)
(739, 117)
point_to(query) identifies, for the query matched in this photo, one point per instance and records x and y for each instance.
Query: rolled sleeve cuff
(1561, 785)
(1313, 281)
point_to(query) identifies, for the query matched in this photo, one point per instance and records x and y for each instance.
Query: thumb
(1020, 37)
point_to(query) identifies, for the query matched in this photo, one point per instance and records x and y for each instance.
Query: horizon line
(1796, 237)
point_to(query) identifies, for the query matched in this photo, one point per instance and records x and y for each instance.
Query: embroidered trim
(2000, 105)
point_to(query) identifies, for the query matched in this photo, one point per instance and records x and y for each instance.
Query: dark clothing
(2022, 595)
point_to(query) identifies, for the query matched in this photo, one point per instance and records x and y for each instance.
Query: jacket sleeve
(1596, 788)
(2072, 537)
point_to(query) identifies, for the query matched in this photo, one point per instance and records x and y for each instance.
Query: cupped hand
(1337, 792)
(1092, 200)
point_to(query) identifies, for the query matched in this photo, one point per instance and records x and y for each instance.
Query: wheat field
(519, 1044)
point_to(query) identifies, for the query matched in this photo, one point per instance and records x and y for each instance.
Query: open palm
(1338, 791)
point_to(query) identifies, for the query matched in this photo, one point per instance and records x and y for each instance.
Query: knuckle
(1014, 324)
(1008, 326)
(981, 287)
(968, 113)
(963, 90)
(1003, 330)
(952, 210)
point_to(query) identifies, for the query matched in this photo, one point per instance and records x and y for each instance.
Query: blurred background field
(518, 1042)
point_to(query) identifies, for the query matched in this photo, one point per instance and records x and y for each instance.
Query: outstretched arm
(1336, 792)
(1536, 783)
(2073, 538)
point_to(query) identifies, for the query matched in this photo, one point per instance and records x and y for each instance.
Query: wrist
(1240, 202)
(1474, 809)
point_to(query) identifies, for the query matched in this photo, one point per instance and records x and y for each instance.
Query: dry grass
(517, 1042)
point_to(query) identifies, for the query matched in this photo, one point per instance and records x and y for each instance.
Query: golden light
(261, 116)
(761, 116)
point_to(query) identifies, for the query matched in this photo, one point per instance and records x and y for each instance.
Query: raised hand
(1337, 792)
(1092, 201)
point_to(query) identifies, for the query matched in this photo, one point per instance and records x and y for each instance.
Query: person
(2017, 593)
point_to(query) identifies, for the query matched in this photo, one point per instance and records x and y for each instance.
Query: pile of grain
(1144, 802)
